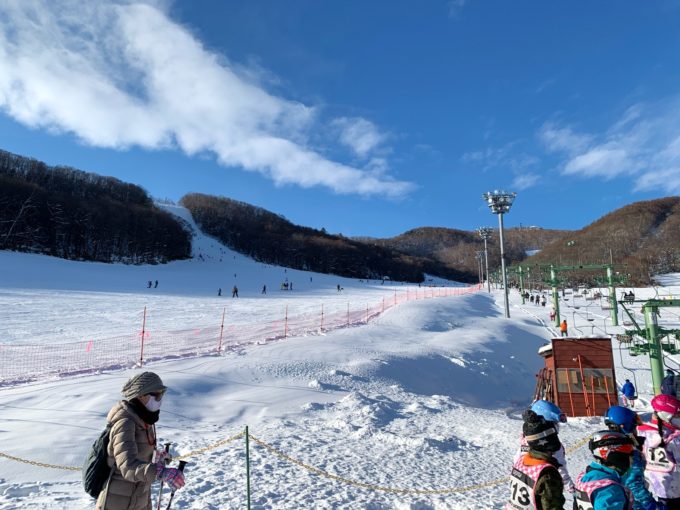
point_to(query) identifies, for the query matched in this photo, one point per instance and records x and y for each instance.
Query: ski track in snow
(427, 396)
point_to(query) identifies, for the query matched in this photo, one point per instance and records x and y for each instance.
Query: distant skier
(290, 286)
(219, 291)
(543, 301)
(264, 289)
(148, 284)
(531, 298)
(668, 384)
(234, 292)
(339, 288)
(156, 286)
(563, 328)
(628, 393)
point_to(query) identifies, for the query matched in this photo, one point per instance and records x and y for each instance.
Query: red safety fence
(20, 363)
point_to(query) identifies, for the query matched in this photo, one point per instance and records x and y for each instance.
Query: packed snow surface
(426, 396)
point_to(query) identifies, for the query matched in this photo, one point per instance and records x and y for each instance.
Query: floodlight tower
(485, 233)
(500, 202)
(480, 267)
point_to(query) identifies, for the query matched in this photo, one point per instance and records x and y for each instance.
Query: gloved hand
(162, 457)
(173, 477)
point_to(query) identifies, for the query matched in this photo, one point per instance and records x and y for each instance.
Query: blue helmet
(549, 411)
(621, 418)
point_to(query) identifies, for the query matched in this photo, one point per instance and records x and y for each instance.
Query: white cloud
(524, 181)
(455, 6)
(643, 144)
(123, 74)
(562, 139)
(359, 134)
(505, 157)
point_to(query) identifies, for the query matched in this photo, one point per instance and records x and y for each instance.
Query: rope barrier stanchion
(141, 353)
(247, 466)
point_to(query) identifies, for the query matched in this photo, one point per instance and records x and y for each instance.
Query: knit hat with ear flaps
(141, 384)
(541, 435)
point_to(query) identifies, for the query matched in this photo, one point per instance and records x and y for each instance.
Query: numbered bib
(658, 460)
(582, 500)
(521, 491)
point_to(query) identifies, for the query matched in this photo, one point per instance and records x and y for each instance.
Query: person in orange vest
(563, 328)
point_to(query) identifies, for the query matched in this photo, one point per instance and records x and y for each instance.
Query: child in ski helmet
(662, 450)
(535, 481)
(599, 487)
(622, 419)
(553, 414)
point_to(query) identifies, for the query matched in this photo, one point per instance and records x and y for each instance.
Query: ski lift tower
(500, 203)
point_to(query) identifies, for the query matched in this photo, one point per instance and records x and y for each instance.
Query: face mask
(153, 405)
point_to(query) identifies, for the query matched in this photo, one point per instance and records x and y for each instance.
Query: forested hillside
(72, 214)
(457, 248)
(270, 238)
(642, 238)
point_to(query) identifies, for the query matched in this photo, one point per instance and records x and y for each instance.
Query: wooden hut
(578, 376)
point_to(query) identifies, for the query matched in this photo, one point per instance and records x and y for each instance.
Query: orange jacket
(563, 326)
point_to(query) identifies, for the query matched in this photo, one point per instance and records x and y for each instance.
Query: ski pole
(160, 491)
(182, 463)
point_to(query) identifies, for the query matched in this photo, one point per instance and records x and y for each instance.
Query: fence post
(141, 353)
(219, 347)
(383, 306)
(248, 466)
(285, 327)
(348, 313)
(321, 328)
(366, 313)
(395, 297)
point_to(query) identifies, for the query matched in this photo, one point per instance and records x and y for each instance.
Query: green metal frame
(653, 333)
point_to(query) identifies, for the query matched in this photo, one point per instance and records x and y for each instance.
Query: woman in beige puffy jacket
(132, 447)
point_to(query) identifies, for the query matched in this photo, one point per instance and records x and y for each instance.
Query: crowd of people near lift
(634, 460)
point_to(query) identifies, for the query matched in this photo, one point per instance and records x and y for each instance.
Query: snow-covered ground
(427, 396)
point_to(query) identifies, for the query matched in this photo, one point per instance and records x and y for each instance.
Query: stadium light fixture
(500, 203)
(485, 233)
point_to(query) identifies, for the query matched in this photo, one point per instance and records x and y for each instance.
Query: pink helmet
(666, 406)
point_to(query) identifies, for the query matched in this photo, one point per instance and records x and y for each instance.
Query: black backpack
(96, 470)
(668, 385)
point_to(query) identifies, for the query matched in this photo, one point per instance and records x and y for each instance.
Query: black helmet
(612, 448)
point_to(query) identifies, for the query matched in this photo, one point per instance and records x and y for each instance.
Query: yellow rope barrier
(210, 447)
(312, 469)
(39, 464)
(365, 485)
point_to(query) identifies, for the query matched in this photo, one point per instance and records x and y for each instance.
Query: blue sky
(365, 118)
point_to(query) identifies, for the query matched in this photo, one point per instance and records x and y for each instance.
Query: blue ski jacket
(634, 480)
(628, 389)
(611, 497)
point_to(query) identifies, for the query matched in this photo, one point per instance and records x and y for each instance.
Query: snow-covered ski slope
(425, 397)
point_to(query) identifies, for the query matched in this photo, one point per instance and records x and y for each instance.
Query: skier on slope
(554, 415)
(535, 481)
